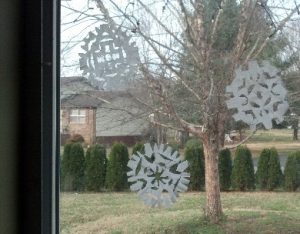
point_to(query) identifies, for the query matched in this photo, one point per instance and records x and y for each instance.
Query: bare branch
(246, 16)
(214, 29)
(161, 24)
(279, 27)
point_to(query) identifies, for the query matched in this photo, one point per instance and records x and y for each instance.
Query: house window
(78, 116)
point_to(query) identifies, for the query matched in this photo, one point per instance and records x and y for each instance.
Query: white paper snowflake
(158, 175)
(110, 59)
(258, 95)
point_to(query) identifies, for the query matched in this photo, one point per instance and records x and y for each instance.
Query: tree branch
(241, 142)
(279, 27)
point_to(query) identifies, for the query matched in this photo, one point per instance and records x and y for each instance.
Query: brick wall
(86, 129)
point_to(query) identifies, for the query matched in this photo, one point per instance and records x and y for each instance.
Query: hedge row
(92, 171)
(239, 174)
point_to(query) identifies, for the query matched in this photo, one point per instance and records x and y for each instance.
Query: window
(78, 116)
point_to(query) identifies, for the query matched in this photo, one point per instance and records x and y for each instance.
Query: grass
(281, 139)
(249, 212)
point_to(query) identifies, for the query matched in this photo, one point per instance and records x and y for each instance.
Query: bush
(269, 175)
(262, 169)
(242, 177)
(64, 168)
(76, 138)
(292, 172)
(116, 177)
(73, 166)
(193, 142)
(225, 169)
(274, 171)
(96, 163)
(174, 145)
(195, 156)
(138, 147)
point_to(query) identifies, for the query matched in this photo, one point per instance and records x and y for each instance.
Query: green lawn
(249, 212)
(281, 139)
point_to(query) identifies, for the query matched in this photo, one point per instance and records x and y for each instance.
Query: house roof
(65, 81)
(80, 101)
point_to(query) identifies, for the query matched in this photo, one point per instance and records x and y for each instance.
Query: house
(100, 116)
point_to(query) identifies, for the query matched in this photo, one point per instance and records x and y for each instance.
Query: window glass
(78, 116)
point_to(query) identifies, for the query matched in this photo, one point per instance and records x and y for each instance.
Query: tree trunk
(295, 124)
(295, 135)
(213, 209)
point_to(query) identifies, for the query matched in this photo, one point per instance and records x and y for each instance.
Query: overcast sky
(79, 17)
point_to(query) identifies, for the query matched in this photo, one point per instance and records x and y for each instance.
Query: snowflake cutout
(158, 175)
(258, 95)
(110, 59)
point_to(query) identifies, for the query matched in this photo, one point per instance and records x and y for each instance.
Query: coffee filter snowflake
(109, 59)
(158, 175)
(258, 95)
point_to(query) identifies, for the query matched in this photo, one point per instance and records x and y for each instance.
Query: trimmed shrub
(65, 183)
(174, 145)
(73, 166)
(242, 177)
(262, 169)
(225, 169)
(116, 177)
(96, 163)
(274, 171)
(138, 147)
(193, 142)
(292, 172)
(76, 138)
(195, 156)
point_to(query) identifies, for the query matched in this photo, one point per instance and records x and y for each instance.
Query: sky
(79, 17)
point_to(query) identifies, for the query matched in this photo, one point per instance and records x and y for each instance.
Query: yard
(248, 212)
(281, 139)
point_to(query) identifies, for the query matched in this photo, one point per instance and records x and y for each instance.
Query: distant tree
(96, 163)
(225, 169)
(116, 177)
(195, 156)
(292, 171)
(243, 171)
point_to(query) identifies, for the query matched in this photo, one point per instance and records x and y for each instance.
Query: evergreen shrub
(116, 176)
(138, 147)
(225, 169)
(242, 177)
(262, 169)
(95, 172)
(72, 167)
(195, 156)
(292, 172)
(274, 171)
(193, 142)
(64, 168)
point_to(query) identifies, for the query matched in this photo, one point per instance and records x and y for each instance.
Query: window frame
(38, 111)
(78, 116)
